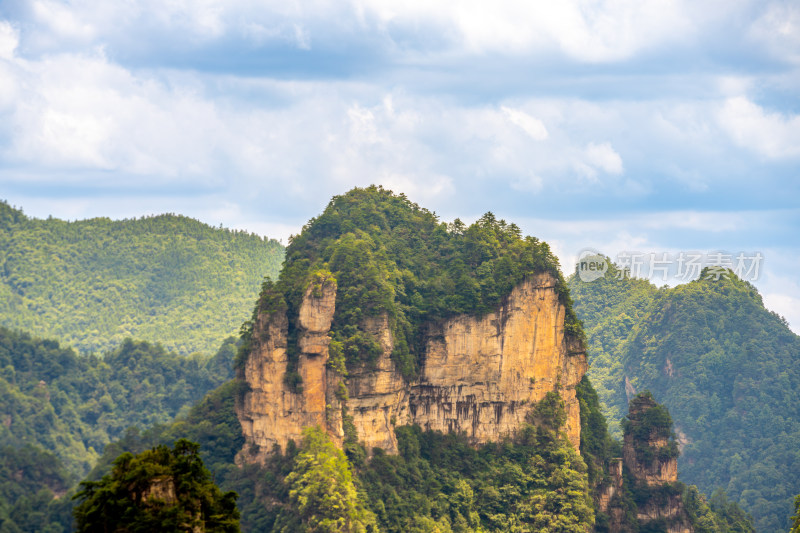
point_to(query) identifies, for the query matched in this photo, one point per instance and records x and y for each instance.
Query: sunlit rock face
(479, 375)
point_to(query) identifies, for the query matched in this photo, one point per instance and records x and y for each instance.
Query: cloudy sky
(622, 125)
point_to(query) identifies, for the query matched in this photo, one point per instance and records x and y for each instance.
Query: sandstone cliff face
(479, 375)
(270, 413)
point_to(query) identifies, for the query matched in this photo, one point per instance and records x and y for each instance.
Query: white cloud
(779, 29)
(418, 190)
(527, 183)
(80, 113)
(771, 134)
(9, 40)
(530, 125)
(62, 20)
(597, 157)
(593, 31)
(604, 157)
(83, 112)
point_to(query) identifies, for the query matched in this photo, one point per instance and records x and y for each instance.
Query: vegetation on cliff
(724, 366)
(92, 283)
(160, 489)
(649, 421)
(438, 482)
(390, 256)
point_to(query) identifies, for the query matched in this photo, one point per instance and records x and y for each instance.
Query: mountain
(92, 283)
(447, 363)
(401, 374)
(727, 369)
(382, 316)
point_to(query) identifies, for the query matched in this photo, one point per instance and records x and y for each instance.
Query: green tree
(322, 492)
(796, 517)
(160, 489)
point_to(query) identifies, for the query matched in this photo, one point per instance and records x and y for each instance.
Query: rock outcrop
(650, 455)
(479, 374)
(613, 488)
(271, 413)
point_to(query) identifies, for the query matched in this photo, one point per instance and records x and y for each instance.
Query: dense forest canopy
(388, 255)
(60, 409)
(92, 283)
(75, 405)
(724, 366)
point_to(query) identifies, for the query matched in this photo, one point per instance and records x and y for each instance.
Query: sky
(622, 126)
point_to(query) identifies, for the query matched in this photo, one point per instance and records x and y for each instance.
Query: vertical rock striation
(479, 374)
(270, 412)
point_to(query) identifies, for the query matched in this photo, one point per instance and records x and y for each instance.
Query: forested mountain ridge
(726, 367)
(609, 308)
(73, 405)
(92, 283)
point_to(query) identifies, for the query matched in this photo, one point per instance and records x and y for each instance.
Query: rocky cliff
(479, 374)
(650, 455)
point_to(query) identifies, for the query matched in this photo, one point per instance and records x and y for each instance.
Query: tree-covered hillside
(60, 409)
(532, 481)
(726, 368)
(92, 283)
(73, 405)
(609, 308)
